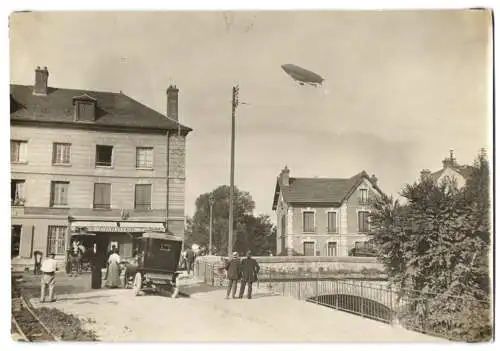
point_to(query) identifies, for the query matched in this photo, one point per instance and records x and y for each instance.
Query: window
(143, 197)
(103, 155)
(15, 240)
(283, 225)
(102, 195)
(165, 247)
(61, 154)
(332, 222)
(309, 248)
(363, 196)
(308, 221)
(144, 157)
(85, 111)
(17, 192)
(363, 223)
(332, 249)
(18, 151)
(57, 240)
(59, 194)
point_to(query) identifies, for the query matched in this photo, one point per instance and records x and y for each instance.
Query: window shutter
(143, 196)
(26, 243)
(14, 151)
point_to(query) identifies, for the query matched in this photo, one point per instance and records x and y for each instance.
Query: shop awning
(115, 227)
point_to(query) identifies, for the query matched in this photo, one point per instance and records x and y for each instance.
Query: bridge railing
(462, 318)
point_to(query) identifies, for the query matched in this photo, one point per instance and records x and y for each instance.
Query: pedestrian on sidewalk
(49, 268)
(114, 270)
(249, 271)
(233, 275)
(190, 257)
(38, 256)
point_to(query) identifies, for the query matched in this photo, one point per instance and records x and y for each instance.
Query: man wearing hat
(249, 270)
(49, 267)
(233, 275)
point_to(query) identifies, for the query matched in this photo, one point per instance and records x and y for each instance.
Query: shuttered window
(332, 249)
(143, 197)
(61, 153)
(26, 244)
(59, 194)
(56, 240)
(363, 224)
(18, 151)
(332, 222)
(308, 222)
(308, 248)
(102, 195)
(144, 157)
(363, 196)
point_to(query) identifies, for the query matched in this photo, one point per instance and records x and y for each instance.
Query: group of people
(244, 271)
(75, 258)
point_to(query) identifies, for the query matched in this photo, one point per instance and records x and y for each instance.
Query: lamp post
(211, 202)
(231, 188)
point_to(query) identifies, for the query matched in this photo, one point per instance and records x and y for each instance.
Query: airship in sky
(301, 75)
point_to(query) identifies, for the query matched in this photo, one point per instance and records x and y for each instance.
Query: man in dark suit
(233, 274)
(249, 270)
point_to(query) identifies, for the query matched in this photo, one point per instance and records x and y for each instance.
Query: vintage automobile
(156, 264)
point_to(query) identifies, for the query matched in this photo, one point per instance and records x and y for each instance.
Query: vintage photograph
(249, 176)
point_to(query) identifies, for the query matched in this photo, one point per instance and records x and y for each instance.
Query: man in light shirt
(49, 267)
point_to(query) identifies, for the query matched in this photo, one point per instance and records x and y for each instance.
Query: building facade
(92, 162)
(322, 217)
(451, 171)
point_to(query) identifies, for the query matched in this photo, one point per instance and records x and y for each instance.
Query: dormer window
(85, 107)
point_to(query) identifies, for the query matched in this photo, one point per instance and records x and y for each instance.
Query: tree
(250, 232)
(438, 245)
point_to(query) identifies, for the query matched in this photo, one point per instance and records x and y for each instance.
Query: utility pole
(211, 202)
(231, 188)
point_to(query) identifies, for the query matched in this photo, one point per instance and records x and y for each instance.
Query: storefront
(105, 235)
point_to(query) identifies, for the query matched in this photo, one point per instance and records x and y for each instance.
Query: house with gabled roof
(451, 171)
(322, 216)
(93, 162)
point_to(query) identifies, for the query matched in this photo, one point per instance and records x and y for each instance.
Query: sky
(401, 88)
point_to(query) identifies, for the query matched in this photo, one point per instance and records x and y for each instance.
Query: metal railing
(452, 317)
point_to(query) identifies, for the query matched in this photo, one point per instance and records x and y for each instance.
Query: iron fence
(453, 317)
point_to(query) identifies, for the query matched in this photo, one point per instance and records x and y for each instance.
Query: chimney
(41, 81)
(173, 102)
(450, 162)
(424, 174)
(285, 176)
(374, 179)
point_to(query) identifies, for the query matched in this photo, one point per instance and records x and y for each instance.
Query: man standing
(190, 257)
(249, 270)
(233, 275)
(49, 267)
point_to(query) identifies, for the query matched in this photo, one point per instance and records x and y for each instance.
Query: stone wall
(313, 264)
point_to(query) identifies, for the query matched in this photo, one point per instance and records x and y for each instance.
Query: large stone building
(322, 217)
(92, 161)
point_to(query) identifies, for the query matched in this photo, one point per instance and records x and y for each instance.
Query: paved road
(117, 315)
